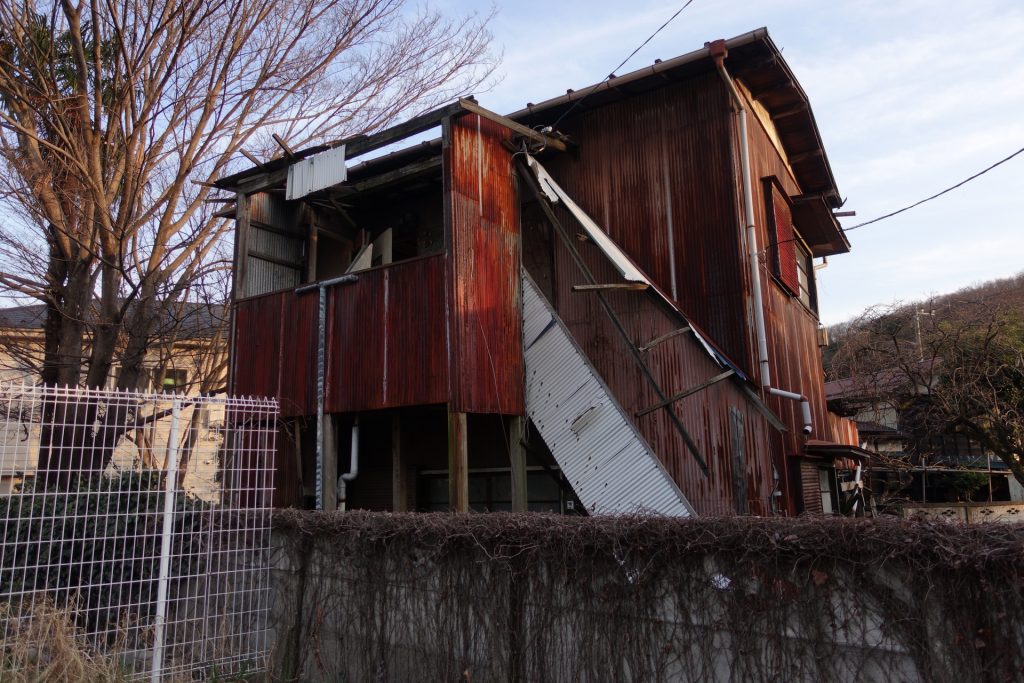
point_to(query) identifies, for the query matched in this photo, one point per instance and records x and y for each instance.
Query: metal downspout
(718, 52)
(321, 363)
(353, 467)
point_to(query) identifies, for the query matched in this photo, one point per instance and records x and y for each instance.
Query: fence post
(170, 483)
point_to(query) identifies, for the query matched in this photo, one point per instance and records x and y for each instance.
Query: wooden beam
(250, 157)
(399, 483)
(458, 463)
(664, 338)
(396, 176)
(804, 156)
(790, 111)
(770, 87)
(241, 243)
(628, 286)
(763, 408)
(689, 392)
(525, 131)
(415, 125)
(270, 258)
(283, 145)
(517, 458)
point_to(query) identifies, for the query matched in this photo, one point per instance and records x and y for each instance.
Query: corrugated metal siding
(385, 344)
(659, 163)
(316, 172)
(257, 346)
(604, 458)
(678, 364)
(792, 330)
(266, 276)
(283, 244)
(485, 323)
(386, 338)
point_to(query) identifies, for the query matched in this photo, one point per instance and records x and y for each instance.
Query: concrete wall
(398, 605)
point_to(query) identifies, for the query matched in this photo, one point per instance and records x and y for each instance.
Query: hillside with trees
(950, 365)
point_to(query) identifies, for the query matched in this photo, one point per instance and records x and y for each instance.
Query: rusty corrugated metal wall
(654, 171)
(678, 364)
(658, 171)
(386, 338)
(792, 328)
(385, 342)
(485, 323)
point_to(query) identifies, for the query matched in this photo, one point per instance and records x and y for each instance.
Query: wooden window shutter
(784, 253)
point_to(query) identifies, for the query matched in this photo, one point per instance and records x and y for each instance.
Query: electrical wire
(937, 195)
(621, 64)
(919, 203)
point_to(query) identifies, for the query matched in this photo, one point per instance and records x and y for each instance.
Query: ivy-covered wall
(503, 597)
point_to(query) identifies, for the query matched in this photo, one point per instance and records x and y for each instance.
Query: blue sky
(910, 97)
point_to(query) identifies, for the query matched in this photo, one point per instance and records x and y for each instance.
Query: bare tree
(957, 368)
(117, 115)
(111, 107)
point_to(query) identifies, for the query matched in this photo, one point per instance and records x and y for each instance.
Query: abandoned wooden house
(602, 302)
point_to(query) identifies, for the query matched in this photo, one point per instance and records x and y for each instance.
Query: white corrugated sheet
(316, 172)
(608, 463)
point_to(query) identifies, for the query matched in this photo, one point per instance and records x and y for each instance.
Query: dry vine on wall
(503, 597)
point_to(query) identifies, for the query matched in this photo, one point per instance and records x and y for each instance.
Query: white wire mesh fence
(145, 518)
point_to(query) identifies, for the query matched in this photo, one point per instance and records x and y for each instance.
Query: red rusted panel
(485, 317)
(655, 171)
(297, 358)
(385, 342)
(257, 346)
(386, 338)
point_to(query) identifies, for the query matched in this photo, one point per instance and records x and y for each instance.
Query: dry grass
(43, 645)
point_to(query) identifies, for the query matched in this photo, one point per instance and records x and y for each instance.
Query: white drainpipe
(718, 53)
(353, 468)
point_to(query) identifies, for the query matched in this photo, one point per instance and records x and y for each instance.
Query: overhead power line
(937, 195)
(622, 63)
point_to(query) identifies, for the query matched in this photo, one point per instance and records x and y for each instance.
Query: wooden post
(399, 492)
(517, 456)
(330, 473)
(241, 243)
(458, 463)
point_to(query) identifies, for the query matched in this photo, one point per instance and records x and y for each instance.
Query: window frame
(790, 255)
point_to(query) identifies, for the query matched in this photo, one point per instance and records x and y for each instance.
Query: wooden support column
(399, 480)
(241, 244)
(458, 463)
(330, 473)
(517, 456)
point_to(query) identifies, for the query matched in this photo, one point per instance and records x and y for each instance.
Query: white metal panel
(618, 257)
(316, 172)
(608, 463)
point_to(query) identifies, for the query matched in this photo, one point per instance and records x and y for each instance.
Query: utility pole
(917, 325)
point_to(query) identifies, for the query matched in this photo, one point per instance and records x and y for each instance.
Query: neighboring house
(187, 358)
(914, 464)
(188, 354)
(555, 308)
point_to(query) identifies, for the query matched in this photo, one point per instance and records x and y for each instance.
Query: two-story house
(606, 299)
